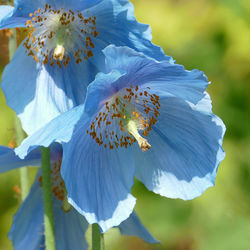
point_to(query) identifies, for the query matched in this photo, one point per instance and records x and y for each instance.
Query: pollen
(122, 117)
(57, 36)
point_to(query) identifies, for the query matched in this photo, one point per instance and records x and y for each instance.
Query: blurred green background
(213, 36)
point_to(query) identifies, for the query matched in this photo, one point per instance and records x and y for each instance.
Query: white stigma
(142, 142)
(59, 52)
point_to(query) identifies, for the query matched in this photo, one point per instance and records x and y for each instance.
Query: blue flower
(62, 53)
(27, 231)
(145, 118)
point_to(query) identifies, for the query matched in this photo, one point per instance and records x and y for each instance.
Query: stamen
(58, 186)
(142, 142)
(56, 36)
(122, 117)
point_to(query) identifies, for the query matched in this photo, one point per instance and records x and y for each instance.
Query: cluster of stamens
(119, 121)
(55, 36)
(58, 187)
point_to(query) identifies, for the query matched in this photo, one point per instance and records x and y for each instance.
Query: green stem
(47, 201)
(24, 175)
(97, 238)
(12, 44)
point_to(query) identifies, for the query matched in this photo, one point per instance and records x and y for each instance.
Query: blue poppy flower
(63, 52)
(145, 118)
(27, 231)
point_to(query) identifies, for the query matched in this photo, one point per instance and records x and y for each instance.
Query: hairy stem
(97, 238)
(47, 201)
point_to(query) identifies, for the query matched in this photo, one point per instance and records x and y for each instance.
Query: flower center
(56, 36)
(123, 116)
(58, 186)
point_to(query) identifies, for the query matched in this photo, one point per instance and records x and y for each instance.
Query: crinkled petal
(48, 91)
(100, 89)
(116, 24)
(186, 151)
(8, 19)
(27, 231)
(70, 228)
(9, 160)
(11, 17)
(26, 6)
(61, 129)
(79, 4)
(129, 68)
(39, 93)
(98, 181)
(5, 11)
(162, 76)
(133, 227)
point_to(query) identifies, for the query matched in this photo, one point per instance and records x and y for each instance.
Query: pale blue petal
(70, 228)
(100, 89)
(186, 151)
(9, 160)
(28, 6)
(116, 24)
(61, 129)
(133, 227)
(11, 17)
(5, 11)
(8, 19)
(39, 93)
(129, 68)
(48, 91)
(24, 7)
(27, 231)
(163, 76)
(98, 181)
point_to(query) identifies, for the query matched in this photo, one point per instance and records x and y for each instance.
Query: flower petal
(133, 227)
(162, 76)
(9, 160)
(70, 228)
(25, 6)
(116, 24)
(79, 4)
(48, 91)
(27, 231)
(8, 19)
(129, 68)
(98, 181)
(45, 92)
(186, 151)
(61, 129)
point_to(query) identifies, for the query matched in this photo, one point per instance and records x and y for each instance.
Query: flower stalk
(24, 175)
(97, 238)
(47, 201)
